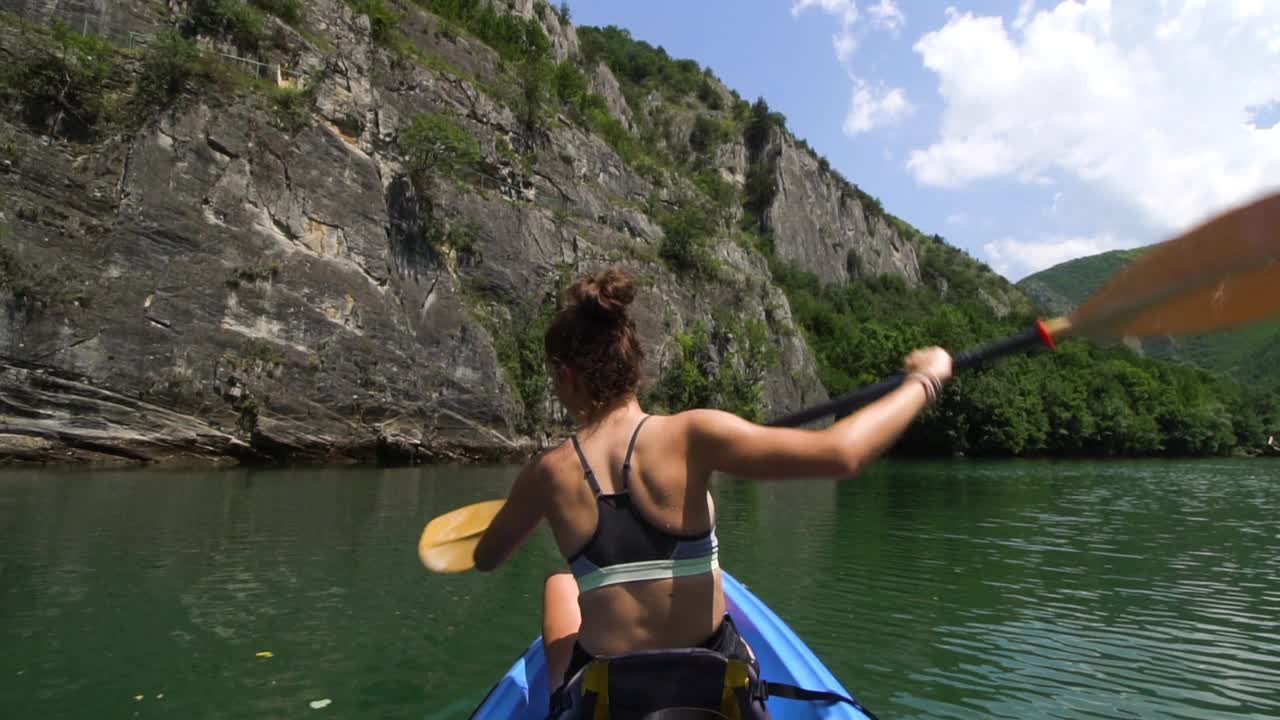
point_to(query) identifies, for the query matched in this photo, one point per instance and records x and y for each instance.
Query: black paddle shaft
(845, 404)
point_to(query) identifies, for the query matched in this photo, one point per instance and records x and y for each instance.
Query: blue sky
(1025, 132)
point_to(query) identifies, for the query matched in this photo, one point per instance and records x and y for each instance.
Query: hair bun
(605, 294)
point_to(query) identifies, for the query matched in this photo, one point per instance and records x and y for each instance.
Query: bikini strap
(626, 463)
(586, 467)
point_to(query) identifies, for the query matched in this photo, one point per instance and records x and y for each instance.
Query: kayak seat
(686, 683)
(661, 685)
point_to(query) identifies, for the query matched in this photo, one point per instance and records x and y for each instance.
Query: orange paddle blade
(1222, 274)
(448, 541)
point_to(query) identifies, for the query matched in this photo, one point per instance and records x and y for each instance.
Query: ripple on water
(1124, 595)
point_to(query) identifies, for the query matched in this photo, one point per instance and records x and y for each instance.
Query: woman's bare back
(668, 494)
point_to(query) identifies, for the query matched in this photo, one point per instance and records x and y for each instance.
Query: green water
(966, 590)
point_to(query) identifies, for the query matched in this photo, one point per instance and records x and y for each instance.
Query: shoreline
(52, 417)
(19, 450)
(72, 450)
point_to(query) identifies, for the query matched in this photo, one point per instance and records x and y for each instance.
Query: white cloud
(1145, 100)
(871, 108)
(886, 15)
(1025, 9)
(846, 11)
(1015, 259)
(844, 44)
(1055, 205)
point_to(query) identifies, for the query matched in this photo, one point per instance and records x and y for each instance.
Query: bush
(62, 82)
(571, 85)
(383, 20)
(266, 272)
(694, 379)
(709, 95)
(10, 150)
(708, 134)
(169, 63)
(760, 125)
(686, 245)
(639, 64)
(623, 142)
(234, 20)
(436, 144)
(461, 237)
(518, 345)
(536, 79)
(685, 383)
(290, 108)
(290, 11)
(760, 190)
(747, 358)
(573, 91)
(14, 275)
(36, 287)
(720, 191)
(515, 38)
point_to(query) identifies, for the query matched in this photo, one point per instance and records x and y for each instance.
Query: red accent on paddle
(1045, 335)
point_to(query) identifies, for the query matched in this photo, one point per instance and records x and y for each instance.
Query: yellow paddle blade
(1222, 274)
(452, 557)
(448, 541)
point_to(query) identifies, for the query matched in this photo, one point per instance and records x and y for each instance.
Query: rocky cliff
(348, 251)
(824, 228)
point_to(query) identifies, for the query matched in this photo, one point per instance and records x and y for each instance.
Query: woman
(627, 496)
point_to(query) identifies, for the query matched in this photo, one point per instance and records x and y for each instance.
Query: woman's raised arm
(720, 441)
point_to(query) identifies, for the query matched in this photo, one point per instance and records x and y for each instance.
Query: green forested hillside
(1065, 285)
(1079, 400)
(1247, 354)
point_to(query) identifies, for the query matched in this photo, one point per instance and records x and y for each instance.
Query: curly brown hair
(593, 335)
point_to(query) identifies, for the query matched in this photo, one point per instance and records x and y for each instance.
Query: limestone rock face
(563, 37)
(822, 228)
(212, 286)
(604, 84)
(113, 19)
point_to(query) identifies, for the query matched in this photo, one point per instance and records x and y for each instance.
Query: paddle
(1221, 274)
(449, 541)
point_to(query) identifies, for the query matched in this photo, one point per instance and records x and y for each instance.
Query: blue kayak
(524, 693)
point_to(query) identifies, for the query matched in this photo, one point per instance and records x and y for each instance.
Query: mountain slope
(1063, 286)
(1249, 354)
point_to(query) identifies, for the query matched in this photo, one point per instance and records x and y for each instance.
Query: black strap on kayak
(792, 692)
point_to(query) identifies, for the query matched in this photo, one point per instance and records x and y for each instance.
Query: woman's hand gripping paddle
(1222, 274)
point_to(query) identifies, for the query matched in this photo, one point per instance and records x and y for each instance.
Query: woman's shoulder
(701, 421)
(685, 418)
(554, 463)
